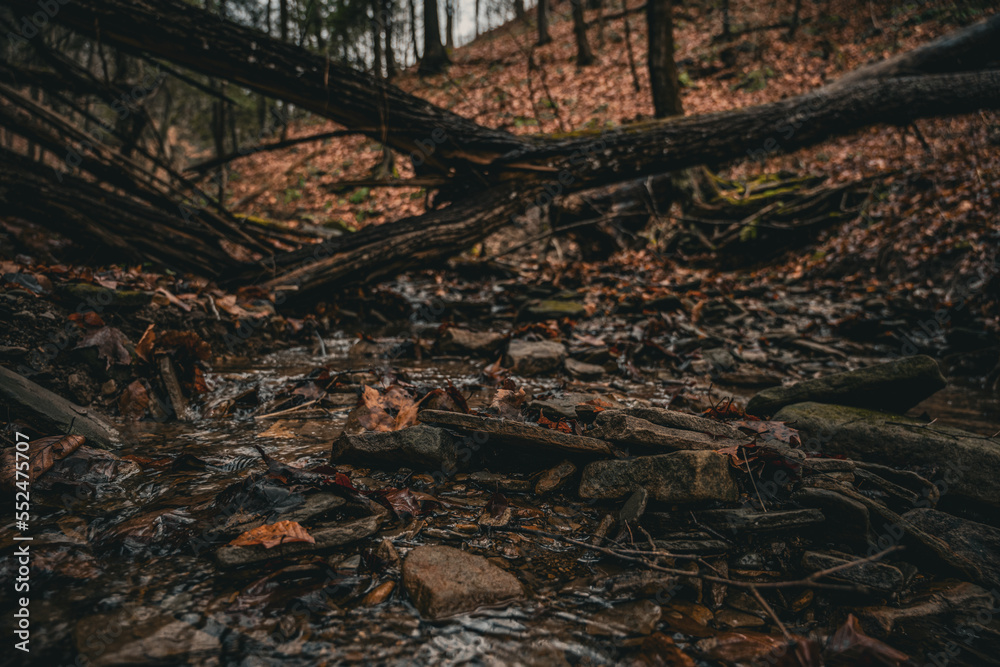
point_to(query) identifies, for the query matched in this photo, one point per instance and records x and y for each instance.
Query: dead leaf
(271, 535)
(42, 455)
(110, 344)
(144, 349)
(851, 646)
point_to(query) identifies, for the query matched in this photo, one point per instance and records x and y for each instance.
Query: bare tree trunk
(519, 9)
(388, 17)
(435, 58)
(449, 10)
(376, 42)
(584, 56)
(413, 29)
(543, 23)
(476, 20)
(628, 47)
(795, 19)
(727, 28)
(662, 68)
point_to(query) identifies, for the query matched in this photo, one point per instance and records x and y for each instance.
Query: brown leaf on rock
(187, 341)
(271, 535)
(770, 430)
(660, 650)
(111, 345)
(42, 455)
(88, 319)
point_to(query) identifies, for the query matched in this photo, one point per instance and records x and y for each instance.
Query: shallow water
(114, 587)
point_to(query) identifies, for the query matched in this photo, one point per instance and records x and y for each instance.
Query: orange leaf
(145, 347)
(271, 535)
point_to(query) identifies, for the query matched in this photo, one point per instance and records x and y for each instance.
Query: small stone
(463, 341)
(583, 370)
(550, 309)
(895, 386)
(554, 478)
(877, 576)
(679, 477)
(633, 508)
(443, 581)
(528, 358)
(632, 618)
(421, 445)
(737, 619)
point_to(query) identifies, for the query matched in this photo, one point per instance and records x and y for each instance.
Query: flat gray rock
(895, 386)
(518, 433)
(326, 538)
(876, 576)
(626, 431)
(528, 358)
(970, 547)
(678, 477)
(685, 422)
(965, 464)
(443, 581)
(420, 446)
(455, 340)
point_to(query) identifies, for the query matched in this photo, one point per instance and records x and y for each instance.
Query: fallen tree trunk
(577, 164)
(129, 230)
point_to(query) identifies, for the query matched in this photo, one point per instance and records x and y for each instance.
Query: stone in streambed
(550, 309)
(554, 478)
(684, 422)
(966, 465)
(970, 547)
(421, 445)
(895, 386)
(584, 371)
(632, 618)
(529, 358)
(326, 538)
(678, 477)
(627, 431)
(455, 340)
(876, 576)
(443, 581)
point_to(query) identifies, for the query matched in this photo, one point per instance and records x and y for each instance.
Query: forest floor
(540, 338)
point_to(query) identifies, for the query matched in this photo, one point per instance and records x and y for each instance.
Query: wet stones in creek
(895, 386)
(528, 358)
(443, 581)
(421, 446)
(678, 477)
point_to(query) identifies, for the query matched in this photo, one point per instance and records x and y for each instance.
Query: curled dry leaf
(144, 350)
(271, 535)
(111, 345)
(42, 455)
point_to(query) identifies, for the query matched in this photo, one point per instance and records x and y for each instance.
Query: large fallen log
(46, 410)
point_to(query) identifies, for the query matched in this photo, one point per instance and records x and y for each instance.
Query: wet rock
(848, 519)
(443, 581)
(633, 508)
(970, 547)
(679, 477)
(142, 636)
(550, 309)
(733, 618)
(421, 445)
(326, 537)
(517, 433)
(494, 481)
(632, 618)
(463, 341)
(627, 431)
(554, 478)
(562, 405)
(582, 370)
(746, 521)
(965, 464)
(876, 576)
(529, 358)
(690, 547)
(685, 422)
(930, 610)
(895, 386)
